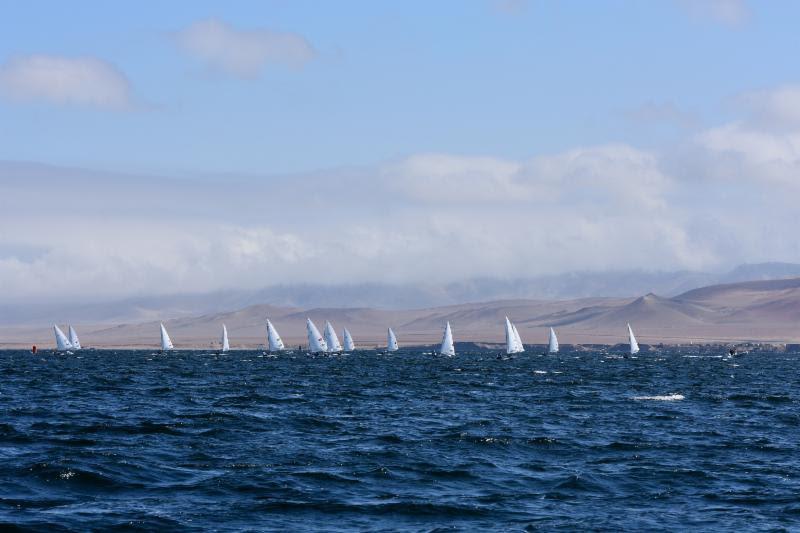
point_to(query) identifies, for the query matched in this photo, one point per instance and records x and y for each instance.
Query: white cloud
(84, 81)
(727, 197)
(763, 145)
(774, 108)
(243, 53)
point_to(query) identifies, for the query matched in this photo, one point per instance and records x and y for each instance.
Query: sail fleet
(328, 342)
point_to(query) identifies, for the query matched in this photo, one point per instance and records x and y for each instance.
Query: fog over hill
(573, 285)
(764, 311)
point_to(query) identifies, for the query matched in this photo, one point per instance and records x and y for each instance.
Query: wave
(662, 398)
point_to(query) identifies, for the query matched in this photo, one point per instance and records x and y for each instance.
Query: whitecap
(540, 371)
(664, 398)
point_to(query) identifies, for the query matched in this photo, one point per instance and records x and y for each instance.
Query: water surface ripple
(194, 441)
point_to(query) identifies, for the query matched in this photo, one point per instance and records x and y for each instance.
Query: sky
(152, 147)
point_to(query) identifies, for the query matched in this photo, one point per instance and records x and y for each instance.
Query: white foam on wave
(664, 398)
(540, 371)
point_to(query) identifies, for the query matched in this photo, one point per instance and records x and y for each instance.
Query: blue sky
(152, 147)
(507, 79)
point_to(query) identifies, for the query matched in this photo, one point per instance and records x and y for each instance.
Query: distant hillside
(767, 311)
(568, 286)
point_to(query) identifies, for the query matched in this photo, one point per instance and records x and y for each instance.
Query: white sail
(62, 343)
(349, 345)
(166, 342)
(632, 340)
(274, 340)
(316, 344)
(73, 339)
(225, 344)
(520, 347)
(511, 340)
(447, 342)
(331, 339)
(553, 342)
(391, 342)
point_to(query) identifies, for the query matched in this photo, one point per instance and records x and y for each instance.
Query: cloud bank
(724, 196)
(82, 81)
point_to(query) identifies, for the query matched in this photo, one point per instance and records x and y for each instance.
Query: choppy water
(193, 441)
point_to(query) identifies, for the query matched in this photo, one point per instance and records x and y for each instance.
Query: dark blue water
(193, 441)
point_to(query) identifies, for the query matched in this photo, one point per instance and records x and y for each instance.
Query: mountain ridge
(757, 311)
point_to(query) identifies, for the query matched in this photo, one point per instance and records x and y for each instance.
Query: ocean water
(192, 441)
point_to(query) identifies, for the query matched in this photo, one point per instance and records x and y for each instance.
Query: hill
(767, 311)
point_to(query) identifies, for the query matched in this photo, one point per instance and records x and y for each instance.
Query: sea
(670, 440)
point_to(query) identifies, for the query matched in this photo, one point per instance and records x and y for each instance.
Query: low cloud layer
(242, 53)
(82, 81)
(725, 196)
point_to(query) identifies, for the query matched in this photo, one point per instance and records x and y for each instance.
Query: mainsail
(316, 344)
(166, 343)
(274, 340)
(391, 342)
(349, 345)
(62, 343)
(553, 342)
(513, 342)
(511, 339)
(632, 340)
(520, 347)
(331, 339)
(225, 345)
(447, 342)
(73, 338)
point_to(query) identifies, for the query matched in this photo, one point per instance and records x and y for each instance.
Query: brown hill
(766, 311)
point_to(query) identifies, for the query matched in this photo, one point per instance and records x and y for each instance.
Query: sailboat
(62, 343)
(513, 342)
(73, 339)
(552, 344)
(632, 341)
(166, 342)
(331, 339)
(349, 345)
(316, 344)
(225, 344)
(274, 340)
(391, 342)
(447, 342)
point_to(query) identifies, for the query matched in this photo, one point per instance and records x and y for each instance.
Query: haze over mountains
(759, 310)
(572, 285)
